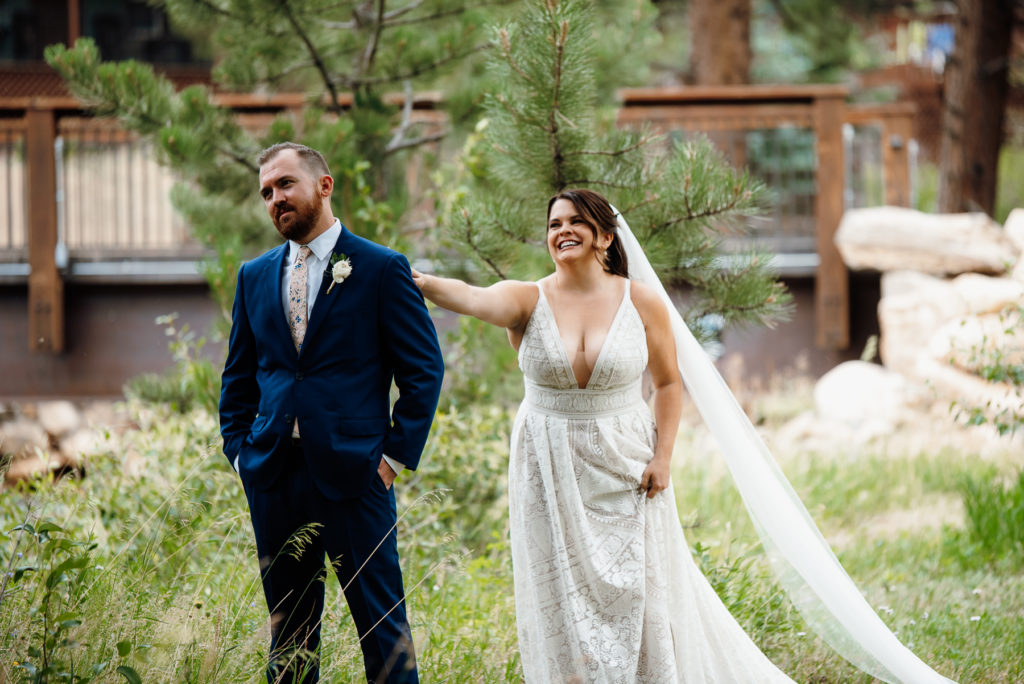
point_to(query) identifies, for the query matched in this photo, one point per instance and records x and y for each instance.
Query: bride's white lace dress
(606, 589)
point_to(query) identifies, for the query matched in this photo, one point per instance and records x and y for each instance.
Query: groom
(321, 325)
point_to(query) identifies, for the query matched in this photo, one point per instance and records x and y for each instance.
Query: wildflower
(801, 633)
(976, 591)
(975, 618)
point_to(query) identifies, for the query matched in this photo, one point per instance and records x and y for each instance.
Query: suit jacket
(371, 329)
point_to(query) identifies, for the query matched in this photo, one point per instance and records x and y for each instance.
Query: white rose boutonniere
(341, 268)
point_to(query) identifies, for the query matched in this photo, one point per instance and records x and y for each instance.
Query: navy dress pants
(295, 527)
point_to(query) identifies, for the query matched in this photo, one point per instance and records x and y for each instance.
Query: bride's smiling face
(570, 237)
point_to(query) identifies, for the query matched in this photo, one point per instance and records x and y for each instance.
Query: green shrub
(994, 521)
(192, 382)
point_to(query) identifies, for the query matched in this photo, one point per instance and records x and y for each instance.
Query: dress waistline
(584, 403)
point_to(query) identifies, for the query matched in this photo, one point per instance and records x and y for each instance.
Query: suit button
(287, 419)
(298, 376)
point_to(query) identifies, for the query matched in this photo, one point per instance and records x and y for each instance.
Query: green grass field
(145, 570)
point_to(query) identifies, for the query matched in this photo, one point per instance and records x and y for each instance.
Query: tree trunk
(976, 87)
(720, 41)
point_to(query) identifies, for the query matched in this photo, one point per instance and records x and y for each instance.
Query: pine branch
(581, 182)
(692, 215)
(511, 153)
(366, 61)
(506, 48)
(514, 113)
(315, 55)
(384, 19)
(354, 82)
(617, 153)
(734, 309)
(406, 120)
(476, 250)
(556, 87)
(449, 13)
(415, 142)
(633, 207)
(399, 141)
(515, 237)
(216, 9)
(391, 19)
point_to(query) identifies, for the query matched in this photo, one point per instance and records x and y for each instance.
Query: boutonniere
(341, 268)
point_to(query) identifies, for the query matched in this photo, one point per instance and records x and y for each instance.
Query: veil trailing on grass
(801, 558)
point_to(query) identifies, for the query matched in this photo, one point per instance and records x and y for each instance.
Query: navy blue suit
(369, 330)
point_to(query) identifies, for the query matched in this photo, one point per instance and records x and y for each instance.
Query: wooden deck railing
(82, 198)
(792, 138)
(77, 193)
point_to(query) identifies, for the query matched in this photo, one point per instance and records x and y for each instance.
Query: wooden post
(831, 287)
(897, 132)
(74, 20)
(45, 286)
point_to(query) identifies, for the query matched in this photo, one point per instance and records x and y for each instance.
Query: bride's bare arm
(668, 386)
(506, 304)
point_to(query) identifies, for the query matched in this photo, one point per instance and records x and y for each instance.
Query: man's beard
(306, 217)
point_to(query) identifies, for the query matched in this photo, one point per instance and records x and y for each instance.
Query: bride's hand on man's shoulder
(417, 277)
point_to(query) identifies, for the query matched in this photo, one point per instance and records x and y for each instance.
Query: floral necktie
(297, 287)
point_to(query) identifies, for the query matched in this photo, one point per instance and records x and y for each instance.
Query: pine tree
(545, 132)
(329, 49)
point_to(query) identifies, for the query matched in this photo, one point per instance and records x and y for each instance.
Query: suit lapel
(324, 301)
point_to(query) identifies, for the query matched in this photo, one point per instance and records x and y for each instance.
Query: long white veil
(802, 559)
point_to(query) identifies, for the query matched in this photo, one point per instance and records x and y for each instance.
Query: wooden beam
(74, 21)
(45, 285)
(746, 93)
(896, 160)
(831, 287)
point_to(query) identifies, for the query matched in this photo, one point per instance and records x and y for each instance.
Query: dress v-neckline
(604, 344)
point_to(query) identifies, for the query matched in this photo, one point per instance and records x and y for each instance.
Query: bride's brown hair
(599, 215)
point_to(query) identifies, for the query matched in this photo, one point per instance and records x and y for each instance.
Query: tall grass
(145, 570)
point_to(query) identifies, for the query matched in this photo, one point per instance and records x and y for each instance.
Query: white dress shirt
(322, 247)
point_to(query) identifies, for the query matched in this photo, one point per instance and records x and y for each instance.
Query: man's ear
(326, 186)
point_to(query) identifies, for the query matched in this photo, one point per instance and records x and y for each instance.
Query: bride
(606, 589)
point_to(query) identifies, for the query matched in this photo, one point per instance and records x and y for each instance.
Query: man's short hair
(314, 162)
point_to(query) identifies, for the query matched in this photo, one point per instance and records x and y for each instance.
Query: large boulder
(895, 238)
(1014, 229)
(955, 387)
(58, 418)
(985, 294)
(21, 437)
(970, 343)
(79, 445)
(863, 396)
(912, 308)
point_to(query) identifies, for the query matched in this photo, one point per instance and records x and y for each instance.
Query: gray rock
(58, 418)
(863, 396)
(895, 238)
(21, 437)
(912, 308)
(985, 294)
